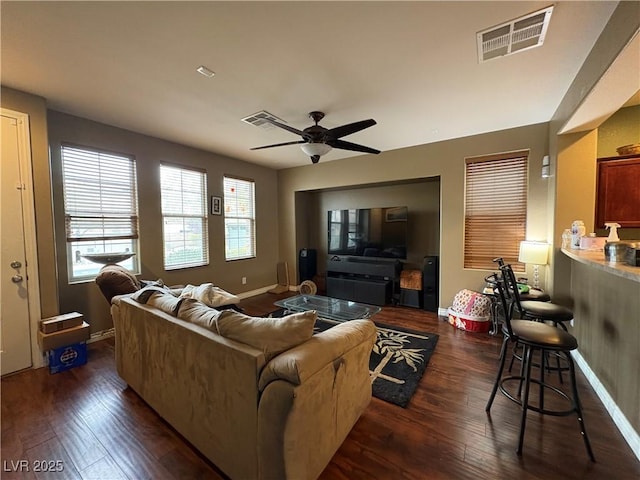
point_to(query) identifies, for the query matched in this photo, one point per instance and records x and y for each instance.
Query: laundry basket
(471, 311)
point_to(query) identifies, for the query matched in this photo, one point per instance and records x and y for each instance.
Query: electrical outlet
(244, 280)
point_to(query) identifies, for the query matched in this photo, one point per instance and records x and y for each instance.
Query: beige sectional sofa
(261, 398)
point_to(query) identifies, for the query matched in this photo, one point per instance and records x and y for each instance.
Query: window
(184, 217)
(239, 219)
(495, 209)
(100, 208)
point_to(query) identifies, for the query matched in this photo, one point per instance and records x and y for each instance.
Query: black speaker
(430, 275)
(307, 264)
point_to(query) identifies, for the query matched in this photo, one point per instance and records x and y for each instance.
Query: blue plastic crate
(64, 358)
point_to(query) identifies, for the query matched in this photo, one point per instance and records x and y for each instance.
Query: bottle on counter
(566, 238)
(578, 231)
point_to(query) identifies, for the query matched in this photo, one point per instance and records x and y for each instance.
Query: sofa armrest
(301, 362)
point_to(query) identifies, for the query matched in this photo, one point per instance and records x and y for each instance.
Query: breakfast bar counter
(606, 306)
(596, 260)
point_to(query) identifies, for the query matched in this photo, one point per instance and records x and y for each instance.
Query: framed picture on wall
(397, 214)
(216, 205)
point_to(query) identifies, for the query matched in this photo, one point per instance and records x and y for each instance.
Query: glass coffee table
(327, 307)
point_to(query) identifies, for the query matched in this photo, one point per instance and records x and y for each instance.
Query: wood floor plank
(125, 447)
(107, 431)
(49, 461)
(104, 469)
(83, 447)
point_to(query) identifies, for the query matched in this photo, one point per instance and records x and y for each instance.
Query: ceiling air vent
(514, 36)
(257, 119)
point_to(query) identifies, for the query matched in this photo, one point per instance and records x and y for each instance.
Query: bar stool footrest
(544, 411)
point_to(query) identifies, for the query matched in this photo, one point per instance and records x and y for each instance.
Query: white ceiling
(412, 66)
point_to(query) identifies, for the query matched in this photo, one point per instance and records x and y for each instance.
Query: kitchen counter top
(596, 259)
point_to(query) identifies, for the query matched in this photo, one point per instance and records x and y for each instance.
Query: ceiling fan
(317, 140)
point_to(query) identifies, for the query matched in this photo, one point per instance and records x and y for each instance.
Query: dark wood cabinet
(618, 191)
(365, 281)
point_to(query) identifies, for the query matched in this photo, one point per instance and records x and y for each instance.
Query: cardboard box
(61, 322)
(69, 336)
(69, 356)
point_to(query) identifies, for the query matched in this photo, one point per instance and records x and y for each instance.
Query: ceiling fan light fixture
(318, 149)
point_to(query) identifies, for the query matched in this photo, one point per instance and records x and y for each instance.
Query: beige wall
(575, 177)
(149, 153)
(622, 128)
(442, 159)
(36, 108)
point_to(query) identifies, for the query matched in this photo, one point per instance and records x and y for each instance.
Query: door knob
(16, 278)
(16, 264)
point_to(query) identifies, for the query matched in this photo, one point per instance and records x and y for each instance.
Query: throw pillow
(116, 280)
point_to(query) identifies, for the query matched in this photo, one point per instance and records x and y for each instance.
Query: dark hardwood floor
(87, 419)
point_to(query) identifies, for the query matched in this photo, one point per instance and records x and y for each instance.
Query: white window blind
(239, 218)
(184, 216)
(100, 207)
(495, 209)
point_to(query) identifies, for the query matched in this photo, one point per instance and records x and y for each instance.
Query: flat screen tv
(368, 232)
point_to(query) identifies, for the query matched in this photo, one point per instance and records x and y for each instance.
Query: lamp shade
(315, 148)
(535, 253)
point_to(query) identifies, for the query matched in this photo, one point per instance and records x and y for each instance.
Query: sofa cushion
(194, 311)
(116, 280)
(209, 294)
(271, 335)
(167, 302)
(298, 364)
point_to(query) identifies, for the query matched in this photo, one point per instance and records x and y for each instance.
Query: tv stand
(364, 280)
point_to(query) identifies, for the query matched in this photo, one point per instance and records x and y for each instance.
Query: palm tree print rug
(398, 360)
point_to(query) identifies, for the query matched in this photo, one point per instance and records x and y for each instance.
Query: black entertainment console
(364, 280)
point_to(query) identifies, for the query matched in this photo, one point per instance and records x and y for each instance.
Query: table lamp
(536, 254)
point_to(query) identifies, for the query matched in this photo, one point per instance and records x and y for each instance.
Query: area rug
(398, 359)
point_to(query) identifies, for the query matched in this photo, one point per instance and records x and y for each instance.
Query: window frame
(73, 215)
(203, 215)
(232, 204)
(496, 188)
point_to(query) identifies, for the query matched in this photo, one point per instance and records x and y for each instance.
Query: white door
(15, 338)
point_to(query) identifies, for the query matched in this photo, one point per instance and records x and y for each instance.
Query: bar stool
(535, 337)
(534, 294)
(534, 310)
(541, 311)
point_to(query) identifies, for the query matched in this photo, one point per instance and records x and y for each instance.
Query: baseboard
(102, 335)
(443, 312)
(626, 429)
(258, 291)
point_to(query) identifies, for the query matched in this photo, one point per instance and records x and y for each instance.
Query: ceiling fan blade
(350, 128)
(351, 146)
(279, 144)
(283, 126)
